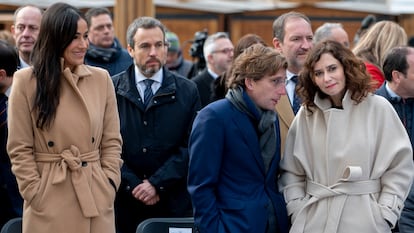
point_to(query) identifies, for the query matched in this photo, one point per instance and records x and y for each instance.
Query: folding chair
(12, 226)
(166, 225)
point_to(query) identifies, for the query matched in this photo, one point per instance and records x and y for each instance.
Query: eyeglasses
(279, 81)
(225, 51)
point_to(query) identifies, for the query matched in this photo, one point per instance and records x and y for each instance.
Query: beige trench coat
(65, 173)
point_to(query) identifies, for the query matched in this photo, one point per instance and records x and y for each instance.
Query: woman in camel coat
(64, 141)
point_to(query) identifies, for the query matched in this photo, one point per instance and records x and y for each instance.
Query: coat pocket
(37, 202)
(104, 192)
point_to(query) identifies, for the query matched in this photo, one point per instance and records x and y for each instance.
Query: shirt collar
(7, 93)
(214, 75)
(289, 75)
(391, 92)
(23, 64)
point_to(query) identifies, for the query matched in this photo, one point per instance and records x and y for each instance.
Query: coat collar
(325, 103)
(80, 71)
(125, 85)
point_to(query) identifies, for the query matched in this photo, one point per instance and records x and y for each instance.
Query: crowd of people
(307, 134)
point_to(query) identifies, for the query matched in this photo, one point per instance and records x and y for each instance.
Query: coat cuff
(391, 207)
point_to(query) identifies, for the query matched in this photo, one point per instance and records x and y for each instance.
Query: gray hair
(209, 44)
(143, 22)
(325, 31)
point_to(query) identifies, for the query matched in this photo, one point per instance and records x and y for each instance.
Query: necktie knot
(148, 83)
(294, 79)
(148, 91)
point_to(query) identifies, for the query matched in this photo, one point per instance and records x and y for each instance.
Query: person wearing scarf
(235, 150)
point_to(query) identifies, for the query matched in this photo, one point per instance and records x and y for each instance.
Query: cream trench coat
(67, 174)
(346, 170)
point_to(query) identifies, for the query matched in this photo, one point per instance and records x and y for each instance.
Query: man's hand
(146, 193)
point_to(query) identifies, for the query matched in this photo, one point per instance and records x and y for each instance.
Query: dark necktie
(3, 110)
(296, 100)
(148, 91)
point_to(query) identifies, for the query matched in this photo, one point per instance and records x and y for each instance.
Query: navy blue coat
(229, 187)
(404, 109)
(155, 146)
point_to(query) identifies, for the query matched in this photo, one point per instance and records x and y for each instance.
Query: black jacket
(154, 146)
(404, 109)
(205, 85)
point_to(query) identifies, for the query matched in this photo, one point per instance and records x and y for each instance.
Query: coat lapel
(249, 136)
(284, 110)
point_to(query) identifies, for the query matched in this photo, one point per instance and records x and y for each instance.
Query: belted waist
(340, 191)
(72, 156)
(72, 159)
(343, 188)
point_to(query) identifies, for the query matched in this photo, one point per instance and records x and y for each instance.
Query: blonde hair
(7, 36)
(378, 40)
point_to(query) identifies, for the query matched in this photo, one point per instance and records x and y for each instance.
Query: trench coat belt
(71, 158)
(340, 191)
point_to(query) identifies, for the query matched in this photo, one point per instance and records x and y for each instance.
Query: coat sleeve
(20, 145)
(111, 144)
(393, 163)
(206, 148)
(293, 175)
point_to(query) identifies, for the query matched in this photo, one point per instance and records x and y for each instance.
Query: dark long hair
(57, 30)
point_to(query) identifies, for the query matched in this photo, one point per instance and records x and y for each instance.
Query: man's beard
(149, 72)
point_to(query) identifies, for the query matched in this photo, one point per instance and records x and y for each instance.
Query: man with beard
(104, 50)
(156, 109)
(25, 30)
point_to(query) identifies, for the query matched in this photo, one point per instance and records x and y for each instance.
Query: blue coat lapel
(249, 135)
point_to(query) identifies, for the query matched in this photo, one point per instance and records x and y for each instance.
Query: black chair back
(166, 225)
(12, 226)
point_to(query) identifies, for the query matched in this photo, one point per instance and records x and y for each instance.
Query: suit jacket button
(50, 143)
(93, 139)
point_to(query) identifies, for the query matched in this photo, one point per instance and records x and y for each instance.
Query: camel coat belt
(73, 160)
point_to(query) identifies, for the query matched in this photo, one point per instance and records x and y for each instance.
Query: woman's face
(74, 54)
(267, 91)
(329, 76)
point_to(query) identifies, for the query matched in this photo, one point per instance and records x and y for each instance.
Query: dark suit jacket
(204, 83)
(11, 202)
(229, 187)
